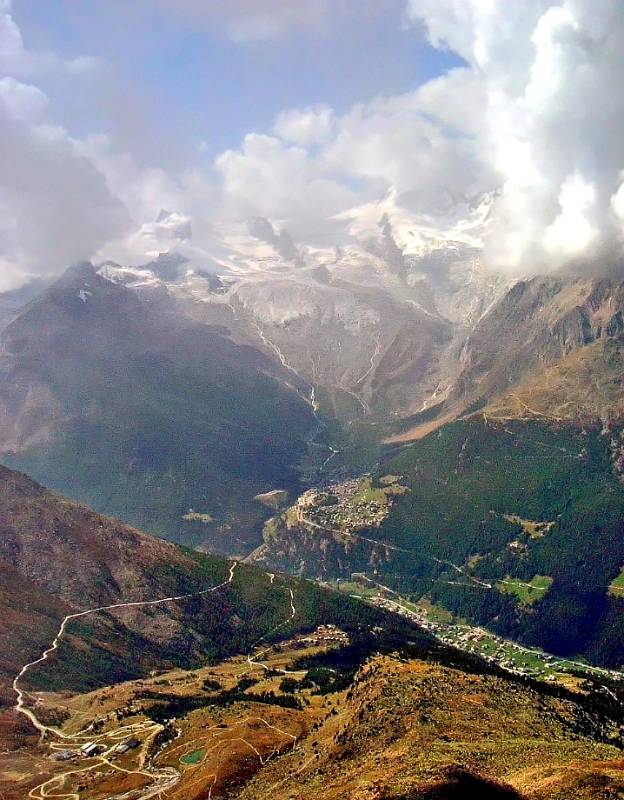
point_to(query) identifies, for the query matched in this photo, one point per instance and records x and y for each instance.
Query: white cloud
(143, 191)
(572, 231)
(56, 207)
(455, 100)
(305, 126)
(272, 178)
(17, 60)
(22, 101)
(11, 43)
(550, 122)
(12, 275)
(536, 111)
(393, 143)
(317, 165)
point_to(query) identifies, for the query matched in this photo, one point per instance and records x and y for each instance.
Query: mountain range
(386, 419)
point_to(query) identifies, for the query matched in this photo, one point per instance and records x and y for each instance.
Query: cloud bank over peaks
(550, 75)
(316, 164)
(518, 151)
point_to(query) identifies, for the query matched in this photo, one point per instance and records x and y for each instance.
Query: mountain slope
(59, 558)
(13, 301)
(363, 342)
(538, 322)
(536, 325)
(587, 385)
(375, 325)
(477, 489)
(30, 620)
(488, 507)
(409, 729)
(126, 404)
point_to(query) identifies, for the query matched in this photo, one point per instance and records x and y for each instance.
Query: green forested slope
(467, 480)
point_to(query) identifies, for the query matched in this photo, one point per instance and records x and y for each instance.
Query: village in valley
(350, 506)
(358, 506)
(505, 653)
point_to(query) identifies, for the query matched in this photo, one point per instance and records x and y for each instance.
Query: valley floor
(505, 653)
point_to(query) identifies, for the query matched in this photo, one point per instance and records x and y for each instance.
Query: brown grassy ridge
(404, 730)
(416, 730)
(586, 385)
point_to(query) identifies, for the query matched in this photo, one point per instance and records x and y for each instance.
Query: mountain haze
(122, 402)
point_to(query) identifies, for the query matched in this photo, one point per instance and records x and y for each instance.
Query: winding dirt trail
(164, 778)
(253, 660)
(21, 694)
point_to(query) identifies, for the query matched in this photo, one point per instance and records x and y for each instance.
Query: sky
(306, 113)
(203, 80)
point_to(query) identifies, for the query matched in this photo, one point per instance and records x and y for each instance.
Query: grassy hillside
(408, 729)
(59, 558)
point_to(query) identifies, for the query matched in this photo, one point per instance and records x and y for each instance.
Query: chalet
(129, 744)
(90, 749)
